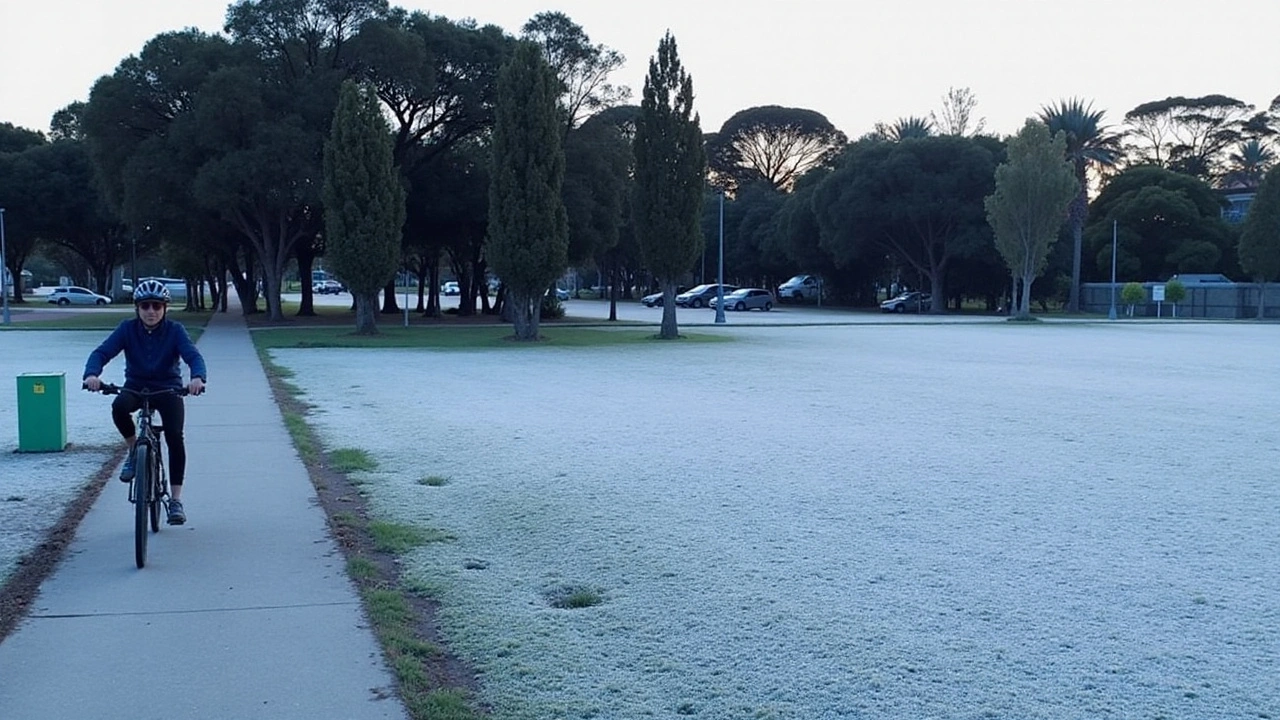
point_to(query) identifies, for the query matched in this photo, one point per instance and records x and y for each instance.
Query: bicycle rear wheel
(141, 502)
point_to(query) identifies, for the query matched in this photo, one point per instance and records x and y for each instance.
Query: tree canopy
(1168, 223)
(918, 200)
(774, 144)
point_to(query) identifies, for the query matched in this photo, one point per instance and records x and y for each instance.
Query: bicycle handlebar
(110, 389)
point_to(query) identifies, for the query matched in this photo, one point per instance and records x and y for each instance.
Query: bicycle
(150, 486)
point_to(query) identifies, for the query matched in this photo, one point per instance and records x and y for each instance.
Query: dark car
(327, 287)
(655, 299)
(700, 296)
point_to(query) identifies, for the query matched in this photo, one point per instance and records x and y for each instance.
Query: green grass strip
(348, 460)
(400, 539)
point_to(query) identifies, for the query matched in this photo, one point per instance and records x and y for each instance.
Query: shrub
(1131, 294)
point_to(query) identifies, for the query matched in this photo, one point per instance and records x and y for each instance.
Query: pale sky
(855, 61)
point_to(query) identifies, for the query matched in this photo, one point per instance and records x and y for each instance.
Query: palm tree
(906, 128)
(1249, 162)
(1089, 145)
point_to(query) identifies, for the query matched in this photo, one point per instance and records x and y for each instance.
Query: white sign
(1157, 293)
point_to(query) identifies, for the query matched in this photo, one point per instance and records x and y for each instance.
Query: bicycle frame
(149, 488)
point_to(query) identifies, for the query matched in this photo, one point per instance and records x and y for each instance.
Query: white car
(71, 295)
(450, 288)
(800, 287)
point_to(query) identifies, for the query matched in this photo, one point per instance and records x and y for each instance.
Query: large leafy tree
(364, 202)
(301, 49)
(1189, 135)
(582, 69)
(438, 80)
(598, 162)
(670, 170)
(1089, 146)
(1167, 223)
(75, 216)
(19, 177)
(528, 227)
(1033, 189)
(772, 143)
(16, 139)
(1260, 237)
(448, 212)
(918, 200)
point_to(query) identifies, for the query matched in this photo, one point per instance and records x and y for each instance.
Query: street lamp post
(4, 271)
(1112, 315)
(720, 274)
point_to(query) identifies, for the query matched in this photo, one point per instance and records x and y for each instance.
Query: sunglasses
(150, 306)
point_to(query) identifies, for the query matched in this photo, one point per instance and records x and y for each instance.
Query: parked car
(450, 288)
(698, 296)
(70, 295)
(327, 287)
(907, 302)
(800, 287)
(561, 294)
(655, 300)
(746, 299)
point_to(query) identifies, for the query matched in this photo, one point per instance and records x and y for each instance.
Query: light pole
(1112, 315)
(4, 271)
(720, 274)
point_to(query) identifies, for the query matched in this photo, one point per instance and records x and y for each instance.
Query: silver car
(70, 295)
(747, 299)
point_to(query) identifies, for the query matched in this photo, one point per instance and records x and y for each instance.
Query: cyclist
(152, 345)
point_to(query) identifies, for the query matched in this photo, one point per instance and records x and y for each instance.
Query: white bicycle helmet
(151, 290)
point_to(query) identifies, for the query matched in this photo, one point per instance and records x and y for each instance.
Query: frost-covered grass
(35, 487)
(944, 521)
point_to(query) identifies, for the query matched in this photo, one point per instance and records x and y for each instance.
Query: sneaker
(176, 515)
(126, 472)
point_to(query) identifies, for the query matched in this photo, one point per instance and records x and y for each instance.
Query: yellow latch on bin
(37, 389)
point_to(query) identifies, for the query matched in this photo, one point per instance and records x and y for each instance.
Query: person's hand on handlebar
(92, 383)
(195, 387)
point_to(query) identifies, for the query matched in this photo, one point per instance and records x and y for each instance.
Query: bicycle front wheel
(142, 499)
(157, 493)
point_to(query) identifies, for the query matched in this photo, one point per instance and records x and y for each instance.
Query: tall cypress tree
(528, 229)
(1259, 246)
(363, 202)
(671, 165)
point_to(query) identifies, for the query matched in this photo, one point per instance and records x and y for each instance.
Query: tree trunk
(306, 260)
(669, 331)
(389, 304)
(1024, 304)
(524, 315)
(1079, 210)
(366, 313)
(613, 296)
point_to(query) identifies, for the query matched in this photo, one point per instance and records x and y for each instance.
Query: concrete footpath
(244, 612)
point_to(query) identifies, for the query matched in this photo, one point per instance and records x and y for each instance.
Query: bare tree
(956, 117)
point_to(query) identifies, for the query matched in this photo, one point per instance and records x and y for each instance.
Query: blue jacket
(150, 356)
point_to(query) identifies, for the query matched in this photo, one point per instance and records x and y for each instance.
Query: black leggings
(172, 413)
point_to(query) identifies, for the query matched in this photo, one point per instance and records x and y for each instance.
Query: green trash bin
(42, 412)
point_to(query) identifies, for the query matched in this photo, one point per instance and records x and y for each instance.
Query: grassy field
(460, 338)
